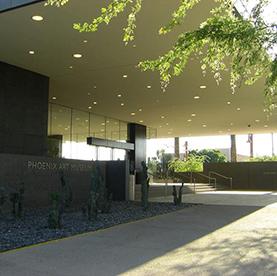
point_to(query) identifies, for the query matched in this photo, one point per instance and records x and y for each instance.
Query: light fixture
(238, 109)
(31, 52)
(257, 121)
(149, 86)
(94, 103)
(265, 125)
(196, 97)
(228, 102)
(125, 76)
(85, 41)
(141, 121)
(54, 98)
(140, 110)
(167, 124)
(94, 86)
(102, 124)
(189, 120)
(122, 104)
(133, 114)
(162, 117)
(119, 95)
(37, 17)
(203, 86)
(90, 107)
(77, 55)
(70, 67)
(204, 125)
(89, 93)
(193, 115)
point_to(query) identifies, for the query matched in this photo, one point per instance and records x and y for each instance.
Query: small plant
(177, 197)
(3, 198)
(92, 206)
(144, 186)
(66, 193)
(17, 198)
(55, 215)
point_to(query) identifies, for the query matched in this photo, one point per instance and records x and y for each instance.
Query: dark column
(137, 136)
(23, 111)
(233, 148)
(177, 147)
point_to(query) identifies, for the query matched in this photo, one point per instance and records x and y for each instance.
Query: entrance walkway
(238, 198)
(201, 240)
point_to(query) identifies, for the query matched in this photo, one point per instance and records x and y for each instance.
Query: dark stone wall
(11, 4)
(41, 176)
(247, 175)
(23, 111)
(137, 136)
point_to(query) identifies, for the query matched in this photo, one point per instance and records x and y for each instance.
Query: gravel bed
(33, 228)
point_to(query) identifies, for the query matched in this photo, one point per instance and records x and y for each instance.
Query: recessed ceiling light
(149, 86)
(204, 125)
(134, 46)
(133, 114)
(162, 117)
(94, 102)
(231, 124)
(119, 95)
(70, 67)
(161, 126)
(140, 110)
(54, 98)
(107, 121)
(102, 130)
(203, 86)
(229, 129)
(228, 102)
(37, 17)
(90, 107)
(265, 125)
(102, 124)
(167, 124)
(94, 86)
(257, 121)
(189, 120)
(141, 121)
(85, 41)
(122, 104)
(196, 97)
(77, 55)
(31, 52)
(89, 93)
(125, 76)
(238, 109)
(193, 115)
(169, 132)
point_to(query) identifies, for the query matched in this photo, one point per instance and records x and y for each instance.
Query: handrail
(223, 176)
(207, 177)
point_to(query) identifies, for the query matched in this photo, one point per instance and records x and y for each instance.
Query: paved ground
(202, 240)
(238, 198)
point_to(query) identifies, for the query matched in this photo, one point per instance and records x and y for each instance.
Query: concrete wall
(41, 176)
(23, 111)
(247, 175)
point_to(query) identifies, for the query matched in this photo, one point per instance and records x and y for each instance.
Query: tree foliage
(211, 155)
(224, 41)
(194, 163)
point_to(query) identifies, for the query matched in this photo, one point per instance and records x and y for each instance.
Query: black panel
(24, 111)
(116, 180)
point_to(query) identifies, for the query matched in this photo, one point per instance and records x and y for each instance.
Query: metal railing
(222, 176)
(207, 177)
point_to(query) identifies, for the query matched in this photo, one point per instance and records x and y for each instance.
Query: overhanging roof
(98, 76)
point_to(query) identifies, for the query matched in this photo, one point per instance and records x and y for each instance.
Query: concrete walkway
(201, 240)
